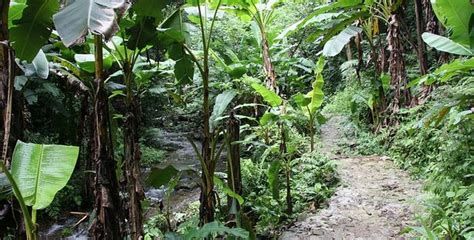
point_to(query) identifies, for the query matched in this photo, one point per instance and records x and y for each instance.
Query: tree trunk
(207, 207)
(283, 151)
(271, 77)
(234, 178)
(401, 96)
(108, 220)
(431, 25)
(421, 48)
(132, 160)
(358, 41)
(348, 52)
(7, 74)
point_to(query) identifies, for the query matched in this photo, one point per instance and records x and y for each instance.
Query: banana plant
(261, 13)
(73, 24)
(312, 101)
(37, 173)
(455, 15)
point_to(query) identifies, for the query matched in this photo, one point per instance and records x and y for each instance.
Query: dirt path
(376, 200)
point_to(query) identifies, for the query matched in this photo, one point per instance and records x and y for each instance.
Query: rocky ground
(375, 200)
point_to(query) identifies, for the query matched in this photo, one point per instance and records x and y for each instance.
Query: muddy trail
(375, 199)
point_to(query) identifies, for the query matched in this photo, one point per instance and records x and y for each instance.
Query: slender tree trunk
(207, 208)
(431, 25)
(283, 151)
(271, 78)
(132, 160)
(348, 52)
(401, 96)
(7, 75)
(421, 48)
(234, 179)
(358, 41)
(107, 224)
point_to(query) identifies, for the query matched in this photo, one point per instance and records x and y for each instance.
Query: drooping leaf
(80, 17)
(456, 16)
(42, 170)
(445, 44)
(269, 96)
(40, 62)
(228, 191)
(222, 102)
(33, 29)
(335, 45)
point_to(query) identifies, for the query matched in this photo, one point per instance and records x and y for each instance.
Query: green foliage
(153, 227)
(42, 170)
(457, 17)
(269, 96)
(313, 181)
(222, 102)
(151, 156)
(32, 30)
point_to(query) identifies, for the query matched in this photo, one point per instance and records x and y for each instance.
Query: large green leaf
(335, 45)
(446, 45)
(33, 29)
(269, 96)
(222, 102)
(80, 17)
(317, 94)
(455, 15)
(42, 170)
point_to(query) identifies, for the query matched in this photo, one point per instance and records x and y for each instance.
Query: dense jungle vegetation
(201, 119)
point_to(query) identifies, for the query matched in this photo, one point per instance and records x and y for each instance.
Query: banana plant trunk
(271, 77)
(207, 207)
(132, 159)
(107, 224)
(431, 26)
(234, 179)
(421, 48)
(401, 95)
(7, 75)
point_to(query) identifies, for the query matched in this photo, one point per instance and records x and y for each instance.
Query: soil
(375, 200)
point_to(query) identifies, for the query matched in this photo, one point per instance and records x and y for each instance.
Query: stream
(180, 154)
